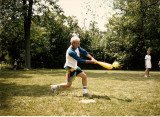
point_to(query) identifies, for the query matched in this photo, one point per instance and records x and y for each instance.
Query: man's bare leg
(63, 85)
(84, 83)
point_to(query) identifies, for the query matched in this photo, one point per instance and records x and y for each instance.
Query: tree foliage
(50, 32)
(134, 30)
(129, 33)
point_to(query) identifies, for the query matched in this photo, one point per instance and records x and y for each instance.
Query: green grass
(117, 93)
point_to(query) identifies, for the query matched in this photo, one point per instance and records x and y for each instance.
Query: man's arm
(85, 53)
(93, 60)
(75, 56)
(91, 57)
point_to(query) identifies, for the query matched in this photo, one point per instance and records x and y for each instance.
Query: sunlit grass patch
(116, 93)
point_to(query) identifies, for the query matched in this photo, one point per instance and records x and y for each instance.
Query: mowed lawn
(116, 93)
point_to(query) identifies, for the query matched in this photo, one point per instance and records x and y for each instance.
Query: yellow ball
(115, 64)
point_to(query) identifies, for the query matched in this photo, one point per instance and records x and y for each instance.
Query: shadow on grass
(101, 97)
(54, 72)
(123, 76)
(110, 98)
(8, 91)
(13, 74)
(124, 100)
(27, 74)
(105, 97)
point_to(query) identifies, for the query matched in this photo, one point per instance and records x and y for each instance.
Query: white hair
(74, 39)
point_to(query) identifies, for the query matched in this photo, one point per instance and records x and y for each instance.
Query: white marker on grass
(87, 101)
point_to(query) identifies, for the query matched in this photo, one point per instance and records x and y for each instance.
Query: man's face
(76, 44)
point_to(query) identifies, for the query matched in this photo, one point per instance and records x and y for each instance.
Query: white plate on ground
(87, 101)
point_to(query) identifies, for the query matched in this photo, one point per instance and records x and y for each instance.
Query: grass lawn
(117, 93)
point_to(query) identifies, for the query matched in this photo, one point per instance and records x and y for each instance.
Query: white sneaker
(145, 76)
(53, 88)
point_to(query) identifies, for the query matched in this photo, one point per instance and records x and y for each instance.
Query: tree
(27, 13)
(13, 15)
(135, 29)
(11, 31)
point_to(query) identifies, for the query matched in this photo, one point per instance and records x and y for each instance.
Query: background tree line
(38, 33)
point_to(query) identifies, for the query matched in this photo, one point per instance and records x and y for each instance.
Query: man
(148, 63)
(72, 70)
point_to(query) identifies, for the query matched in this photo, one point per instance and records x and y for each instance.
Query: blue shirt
(73, 54)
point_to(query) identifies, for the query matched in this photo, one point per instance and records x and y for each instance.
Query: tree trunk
(27, 25)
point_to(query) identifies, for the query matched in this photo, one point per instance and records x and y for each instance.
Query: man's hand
(94, 61)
